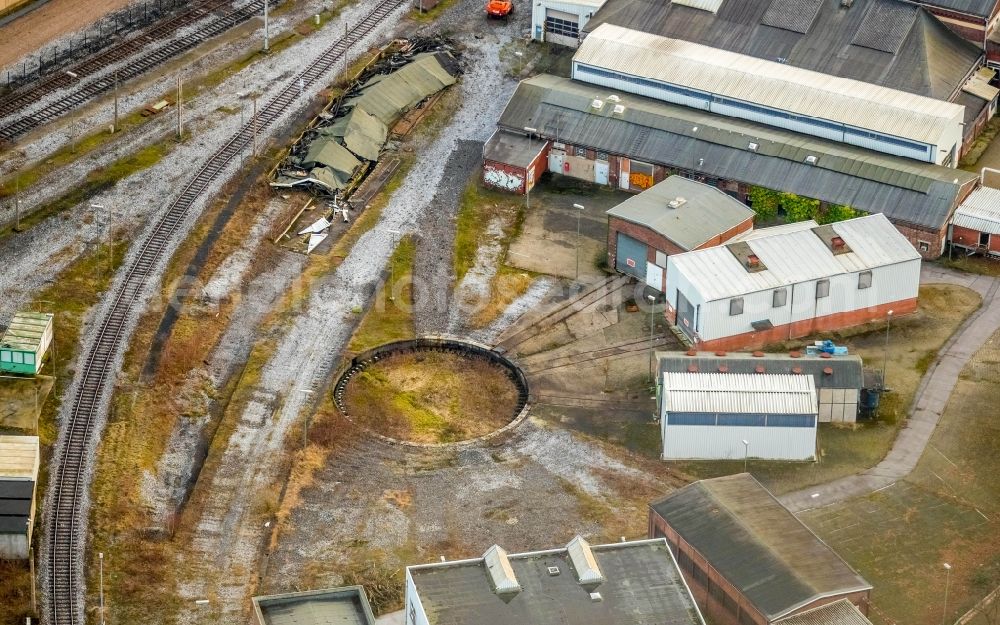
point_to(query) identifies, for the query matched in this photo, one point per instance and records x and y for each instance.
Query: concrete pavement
(929, 403)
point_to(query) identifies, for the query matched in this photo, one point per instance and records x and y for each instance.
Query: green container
(25, 342)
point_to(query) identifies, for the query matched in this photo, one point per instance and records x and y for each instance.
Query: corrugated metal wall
(726, 442)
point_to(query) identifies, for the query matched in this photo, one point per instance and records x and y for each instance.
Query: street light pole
(100, 239)
(527, 183)
(100, 558)
(947, 579)
(392, 265)
(579, 209)
(305, 427)
(885, 351)
(652, 305)
(266, 41)
(746, 453)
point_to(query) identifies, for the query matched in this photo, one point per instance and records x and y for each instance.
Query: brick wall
(810, 326)
(967, 27)
(918, 237)
(504, 177)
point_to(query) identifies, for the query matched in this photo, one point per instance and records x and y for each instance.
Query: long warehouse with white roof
(768, 286)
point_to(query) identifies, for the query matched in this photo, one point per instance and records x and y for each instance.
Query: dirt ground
(53, 19)
(433, 397)
(21, 399)
(948, 510)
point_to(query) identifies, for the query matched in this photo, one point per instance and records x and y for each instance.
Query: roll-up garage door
(562, 28)
(630, 256)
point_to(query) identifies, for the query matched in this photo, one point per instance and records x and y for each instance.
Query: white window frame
(736, 302)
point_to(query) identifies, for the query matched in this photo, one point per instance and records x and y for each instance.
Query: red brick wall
(935, 240)
(494, 166)
(968, 27)
(709, 603)
(965, 237)
(653, 240)
(728, 234)
(810, 326)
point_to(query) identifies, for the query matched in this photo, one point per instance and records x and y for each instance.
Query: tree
(764, 202)
(798, 208)
(836, 212)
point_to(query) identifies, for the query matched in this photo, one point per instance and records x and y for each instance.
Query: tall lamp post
(100, 237)
(100, 559)
(527, 186)
(392, 265)
(947, 579)
(579, 209)
(305, 428)
(746, 453)
(652, 306)
(885, 351)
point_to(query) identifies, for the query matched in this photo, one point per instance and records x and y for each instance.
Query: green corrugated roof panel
(363, 134)
(26, 330)
(328, 153)
(390, 95)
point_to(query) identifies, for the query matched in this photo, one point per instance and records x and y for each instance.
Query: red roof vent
(828, 370)
(826, 355)
(692, 368)
(720, 353)
(837, 243)
(796, 370)
(691, 352)
(795, 354)
(723, 368)
(759, 369)
(758, 354)
(753, 261)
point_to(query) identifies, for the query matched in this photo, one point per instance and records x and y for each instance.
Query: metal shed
(25, 342)
(18, 475)
(730, 416)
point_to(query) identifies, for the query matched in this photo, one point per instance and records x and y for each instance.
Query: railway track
(66, 513)
(117, 53)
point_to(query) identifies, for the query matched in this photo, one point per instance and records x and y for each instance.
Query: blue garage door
(630, 256)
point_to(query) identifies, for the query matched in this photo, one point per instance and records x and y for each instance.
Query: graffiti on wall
(501, 179)
(643, 181)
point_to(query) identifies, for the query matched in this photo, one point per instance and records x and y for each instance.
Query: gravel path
(228, 536)
(433, 266)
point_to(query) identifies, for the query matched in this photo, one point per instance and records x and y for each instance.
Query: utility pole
(255, 125)
(179, 94)
(266, 34)
(114, 127)
(100, 240)
(17, 205)
(31, 566)
(652, 307)
(392, 265)
(947, 580)
(100, 558)
(579, 209)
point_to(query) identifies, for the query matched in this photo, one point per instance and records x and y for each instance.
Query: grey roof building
(910, 193)
(687, 212)
(840, 612)
(628, 583)
(732, 533)
(885, 42)
(332, 606)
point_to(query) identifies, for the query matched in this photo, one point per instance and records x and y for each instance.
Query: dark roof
(906, 191)
(979, 8)
(705, 213)
(512, 148)
(847, 370)
(753, 541)
(642, 585)
(332, 606)
(15, 505)
(840, 612)
(884, 42)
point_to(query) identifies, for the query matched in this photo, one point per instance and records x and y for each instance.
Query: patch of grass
(430, 15)
(983, 141)
(391, 317)
(95, 182)
(983, 265)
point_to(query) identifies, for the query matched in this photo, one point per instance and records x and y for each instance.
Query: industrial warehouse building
(746, 558)
(735, 85)
(632, 142)
(18, 477)
(627, 583)
(975, 227)
(792, 282)
(716, 416)
(839, 380)
(889, 43)
(333, 606)
(673, 216)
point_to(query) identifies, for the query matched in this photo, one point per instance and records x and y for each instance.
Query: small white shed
(720, 416)
(560, 21)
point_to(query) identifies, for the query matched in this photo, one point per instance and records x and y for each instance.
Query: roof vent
(692, 368)
(613, 98)
(753, 261)
(720, 353)
(723, 369)
(828, 370)
(501, 574)
(597, 104)
(691, 352)
(753, 146)
(846, 4)
(596, 596)
(587, 571)
(837, 243)
(825, 355)
(760, 369)
(553, 570)
(677, 203)
(795, 354)
(619, 109)
(758, 354)
(797, 370)
(811, 160)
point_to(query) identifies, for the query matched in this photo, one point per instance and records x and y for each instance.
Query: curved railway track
(79, 433)
(119, 52)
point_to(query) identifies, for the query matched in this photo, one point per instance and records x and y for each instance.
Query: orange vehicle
(499, 8)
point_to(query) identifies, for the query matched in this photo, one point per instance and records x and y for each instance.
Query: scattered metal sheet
(314, 240)
(317, 226)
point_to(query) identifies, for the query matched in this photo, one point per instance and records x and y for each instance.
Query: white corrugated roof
(768, 83)
(730, 393)
(794, 257)
(773, 230)
(19, 457)
(980, 211)
(712, 6)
